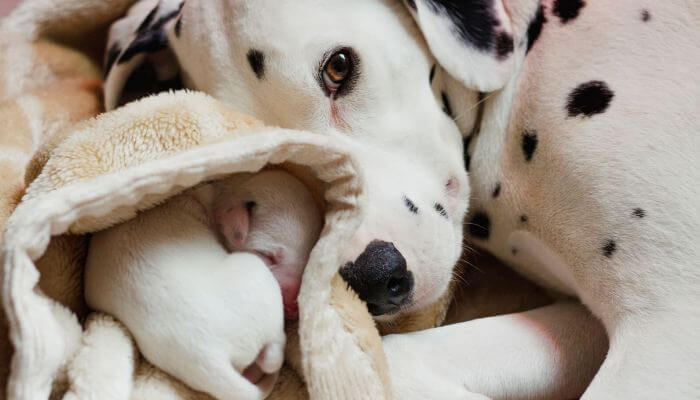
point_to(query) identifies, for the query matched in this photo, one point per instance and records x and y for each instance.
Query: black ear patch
(475, 23)
(567, 10)
(535, 28)
(529, 144)
(480, 225)
(256, 59)
(410, 205)
(589, 98)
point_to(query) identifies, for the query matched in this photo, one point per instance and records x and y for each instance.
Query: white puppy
(211, 318)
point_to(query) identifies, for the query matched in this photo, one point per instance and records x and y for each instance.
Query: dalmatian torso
(586, 185)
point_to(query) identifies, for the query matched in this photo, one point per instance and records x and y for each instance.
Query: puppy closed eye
(339, 72)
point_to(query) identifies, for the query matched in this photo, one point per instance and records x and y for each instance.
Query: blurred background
(6, 6)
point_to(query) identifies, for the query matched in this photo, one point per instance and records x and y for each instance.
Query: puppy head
(270, 213)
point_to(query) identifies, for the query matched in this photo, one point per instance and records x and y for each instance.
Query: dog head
(356, 69)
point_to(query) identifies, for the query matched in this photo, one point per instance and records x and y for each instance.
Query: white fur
(186, 300)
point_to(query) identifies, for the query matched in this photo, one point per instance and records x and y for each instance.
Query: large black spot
(535, 28)
(529, 144)
(504, 45)
(256, 59)
(446, 107)
(480, 225)
(589, 98)
(639, 213)
(467, 158)
(410, 205)
(609, 248)
(474, 21)
(567, 10)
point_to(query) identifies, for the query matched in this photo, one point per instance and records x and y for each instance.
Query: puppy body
(188, 301)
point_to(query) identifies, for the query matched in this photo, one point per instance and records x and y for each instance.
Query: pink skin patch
(289, 278)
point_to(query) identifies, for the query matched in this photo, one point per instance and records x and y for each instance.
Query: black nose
(380, 277)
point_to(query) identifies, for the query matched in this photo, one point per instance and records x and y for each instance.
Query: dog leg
(551, 352)
(651, 359)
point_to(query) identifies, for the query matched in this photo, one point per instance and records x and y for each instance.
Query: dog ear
(474, 40)
(138, 60)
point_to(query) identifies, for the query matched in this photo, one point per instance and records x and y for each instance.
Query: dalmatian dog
(571, 180)
(583, 171)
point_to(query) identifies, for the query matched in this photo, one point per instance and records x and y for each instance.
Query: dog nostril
(394, 286)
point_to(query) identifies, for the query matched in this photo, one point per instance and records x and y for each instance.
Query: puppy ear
(233, 223)
(138, 51)
(473, 40)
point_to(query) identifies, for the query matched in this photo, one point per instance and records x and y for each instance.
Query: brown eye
(338, 69)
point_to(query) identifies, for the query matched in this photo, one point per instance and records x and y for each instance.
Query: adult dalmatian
(581, 137)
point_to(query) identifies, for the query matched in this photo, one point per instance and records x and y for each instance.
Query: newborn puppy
(210, 318)
(272, 215)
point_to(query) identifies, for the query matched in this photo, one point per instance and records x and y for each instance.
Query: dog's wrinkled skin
(264, 62)
(584, 177)
(167, 277)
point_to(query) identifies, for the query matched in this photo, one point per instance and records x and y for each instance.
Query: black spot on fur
(480, 225)
(529, 144)
(639, 213)
(441, 209)
(432, 74)
(178, 27)
(523, 218)
(535, 28)
(567, 10)
(410, 205)
(474, 21)
(646, 16)
(504, 45)
(514, 251)
(496, 190)
(112, 55)
(256, 59)
(412, 4)
(589, 98)
(609, 248)
(467, 158)
(446, 107)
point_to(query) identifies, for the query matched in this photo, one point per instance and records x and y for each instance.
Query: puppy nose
(380, 277)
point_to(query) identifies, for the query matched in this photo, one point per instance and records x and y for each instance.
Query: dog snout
(380, 277)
